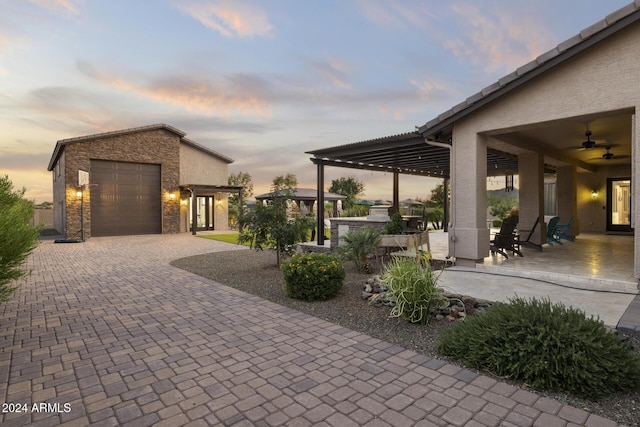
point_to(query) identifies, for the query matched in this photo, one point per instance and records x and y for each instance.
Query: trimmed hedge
(313, 277)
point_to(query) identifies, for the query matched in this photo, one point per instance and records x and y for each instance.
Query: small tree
(435, 216)
(268, 225)
(437, 198)
(349, 187)
(243, 179)
(501, 206)
(17, 237)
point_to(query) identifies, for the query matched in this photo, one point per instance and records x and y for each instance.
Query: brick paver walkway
(114, 335)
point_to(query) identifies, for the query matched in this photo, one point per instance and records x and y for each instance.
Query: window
(550, 199)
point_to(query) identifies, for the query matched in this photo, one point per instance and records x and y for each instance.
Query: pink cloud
(335, 71)
(69, 6)
(229, 18)
(395, 14)
(240, 94)
(499, 43)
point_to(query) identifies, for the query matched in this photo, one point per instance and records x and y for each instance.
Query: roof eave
(55, 156)
(207, 150)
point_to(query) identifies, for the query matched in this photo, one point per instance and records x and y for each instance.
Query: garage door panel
(127, 199)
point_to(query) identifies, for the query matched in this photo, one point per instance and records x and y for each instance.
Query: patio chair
(527, 241)
(563, 229)
(505, 239)
(552, 229)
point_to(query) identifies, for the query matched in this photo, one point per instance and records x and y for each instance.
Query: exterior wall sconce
(219, 202)
(594, 194)
(79, 193)
(183, 202)
(172, 196)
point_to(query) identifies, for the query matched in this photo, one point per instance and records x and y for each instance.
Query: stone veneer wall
(353, 224)
(157, 146)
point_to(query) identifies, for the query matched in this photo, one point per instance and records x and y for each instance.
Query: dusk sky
(258, 81)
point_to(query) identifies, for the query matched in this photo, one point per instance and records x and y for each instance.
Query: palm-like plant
(356, 245)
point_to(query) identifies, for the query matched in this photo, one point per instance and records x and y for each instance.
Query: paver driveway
(114, 335)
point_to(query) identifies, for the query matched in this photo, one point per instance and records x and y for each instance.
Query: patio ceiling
(406, 153)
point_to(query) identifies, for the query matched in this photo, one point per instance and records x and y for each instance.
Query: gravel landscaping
(256, 273)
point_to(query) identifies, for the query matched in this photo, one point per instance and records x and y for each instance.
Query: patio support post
(469, 235)
(531, 174)
(635, 186)
(566, 190)
(320, 197)
(396, 197)
(194, 211)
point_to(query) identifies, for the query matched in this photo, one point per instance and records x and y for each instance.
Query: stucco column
(566, 190)
(635, 185)
(468, 234)
(531, 200)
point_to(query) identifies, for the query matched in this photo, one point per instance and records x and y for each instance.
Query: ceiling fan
(588, 143)
(609, 155)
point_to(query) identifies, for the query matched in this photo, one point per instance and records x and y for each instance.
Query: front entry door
(204, 220)
(619, 205)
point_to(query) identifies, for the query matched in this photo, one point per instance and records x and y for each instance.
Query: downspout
(452, 238)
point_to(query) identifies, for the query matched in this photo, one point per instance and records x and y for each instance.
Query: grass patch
(233, 238)
(227, 238)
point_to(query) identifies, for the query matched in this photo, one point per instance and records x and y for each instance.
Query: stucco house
(144, 180)
(565, 122)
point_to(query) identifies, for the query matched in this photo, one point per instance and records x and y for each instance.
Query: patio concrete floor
(111, 329)
(594, 274)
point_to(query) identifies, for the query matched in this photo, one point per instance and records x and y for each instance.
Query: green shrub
(313, 277)
(357, 244)
(395, 224)
(497, 223)
(17, 237)
(413, 287)
(548, 346)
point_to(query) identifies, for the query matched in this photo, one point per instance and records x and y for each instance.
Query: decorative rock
(368, 288)
(366, 295)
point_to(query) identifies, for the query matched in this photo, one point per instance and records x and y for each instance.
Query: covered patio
(566, 124)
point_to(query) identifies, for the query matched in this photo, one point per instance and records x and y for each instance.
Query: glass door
(619, 204)
(204, 220)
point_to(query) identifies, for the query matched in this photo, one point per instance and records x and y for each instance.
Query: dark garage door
(126, 200)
